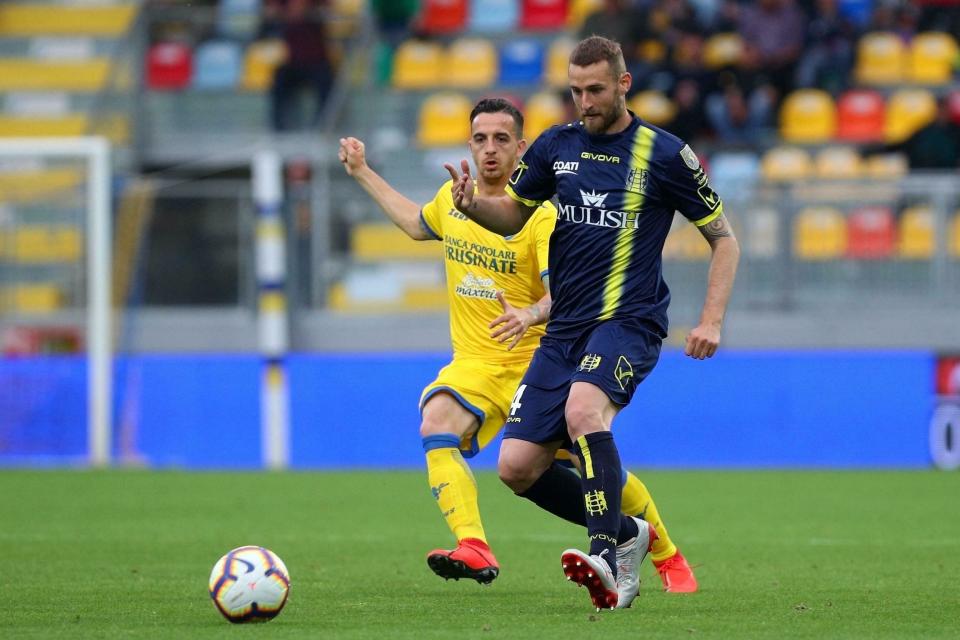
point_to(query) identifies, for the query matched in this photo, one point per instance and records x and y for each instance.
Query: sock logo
(447, 513)
(623, 372)
(596, 503)
(436, 490)
(590, 362)
(604, 537)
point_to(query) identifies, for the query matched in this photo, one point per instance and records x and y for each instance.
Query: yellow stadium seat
(20, 74)
(819, 233)
(685, 242)
(886, 166)
(418, 65)
(781, 164)
(46, 244)
(34, 298)
(70, 125)
(34, 184)
(578, 10)
(932, 56)
(953, 244)
(444, 120)
(763, 233)
(907, 111)
(542, 111)
(259, 63)
(881, 58)
(722, 50)
(838, 163)
(654, 107)
(917, 240)
(377, 241)
(28, 19)
(808, 116)
(558, 60)
(471, 63)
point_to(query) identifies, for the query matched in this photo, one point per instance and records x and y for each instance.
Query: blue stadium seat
(493, 16)
(521, 62)
(731, 171)
(238, 18)
(217, 64)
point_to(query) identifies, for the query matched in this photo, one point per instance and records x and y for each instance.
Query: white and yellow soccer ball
(249, 584)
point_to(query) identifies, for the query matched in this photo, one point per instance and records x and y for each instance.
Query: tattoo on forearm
(718, 228)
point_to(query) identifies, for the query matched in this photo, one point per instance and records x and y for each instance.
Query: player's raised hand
(512, 323)
(352, 154)
(703, 341)
(462, 187)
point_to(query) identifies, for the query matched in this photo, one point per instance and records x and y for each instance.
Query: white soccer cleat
(630, 556)
(591, 572)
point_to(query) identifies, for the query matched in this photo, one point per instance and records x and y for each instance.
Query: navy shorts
(615, 355)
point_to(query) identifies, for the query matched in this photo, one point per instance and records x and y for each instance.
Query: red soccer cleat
(471, 559)
(591, 572)
(676, 574)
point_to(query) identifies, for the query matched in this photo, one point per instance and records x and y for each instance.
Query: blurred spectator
(620, 21)
(308, 65)
(393, 18)
(690, 121)
(901, 18)
(935, 146)
(739, 112)
(828, 55)
(773, 32)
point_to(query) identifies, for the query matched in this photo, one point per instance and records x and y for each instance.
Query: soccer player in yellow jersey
(497, 287)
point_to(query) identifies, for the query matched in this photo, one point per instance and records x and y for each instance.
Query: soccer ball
(249, 584)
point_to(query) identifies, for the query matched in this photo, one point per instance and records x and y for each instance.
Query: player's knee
(582, 419)
(516, 476)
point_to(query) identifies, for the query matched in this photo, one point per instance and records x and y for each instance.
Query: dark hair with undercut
(598, 49)
(499, 105)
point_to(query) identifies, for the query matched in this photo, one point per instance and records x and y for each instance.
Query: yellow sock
(455, 489)
(637, 501)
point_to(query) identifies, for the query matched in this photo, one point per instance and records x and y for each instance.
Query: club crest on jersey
(637, 181)
(596, 502)
(589, 362)
(593, 199)
(690, 158)
(623, 372)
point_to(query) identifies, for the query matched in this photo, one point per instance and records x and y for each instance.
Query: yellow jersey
(479, 263)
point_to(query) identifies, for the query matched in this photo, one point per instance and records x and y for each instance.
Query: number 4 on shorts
(515, 404)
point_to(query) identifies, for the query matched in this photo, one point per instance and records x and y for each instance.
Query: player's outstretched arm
(404, 212)
(514, 322)
(704, 339)
(500, 214)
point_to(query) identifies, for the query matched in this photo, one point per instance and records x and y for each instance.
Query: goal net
(55, 282)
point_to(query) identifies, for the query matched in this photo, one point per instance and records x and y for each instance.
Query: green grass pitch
(126, 554)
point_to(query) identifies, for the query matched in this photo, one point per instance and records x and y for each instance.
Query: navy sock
(600, 483)
(558, 491)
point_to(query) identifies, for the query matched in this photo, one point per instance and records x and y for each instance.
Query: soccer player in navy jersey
(618, 182)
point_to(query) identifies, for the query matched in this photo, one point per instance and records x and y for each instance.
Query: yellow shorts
(485, 390)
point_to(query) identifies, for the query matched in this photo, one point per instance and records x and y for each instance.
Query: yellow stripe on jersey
(587, 458)
(710, 218)
(521, 199)
(623, 248)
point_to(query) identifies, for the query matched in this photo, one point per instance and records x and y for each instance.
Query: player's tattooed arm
(703, 341)
(719, 227)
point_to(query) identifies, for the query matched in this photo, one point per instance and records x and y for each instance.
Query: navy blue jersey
(617, 195)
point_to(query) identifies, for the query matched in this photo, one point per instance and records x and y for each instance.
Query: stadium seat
(31, 19)
(217, 65)
(558, 61)
(932, 57)
(871, 233)
(543, 110)
(917, 240)
(838, 163)
(886, 166)
(521, 62)
(907, 111)
(545, 15)
(762, 233)
(259, 62)
(444, 120)
(493, 16)
(860, 116)
(578, 11)
(378, 241)
(722, 50)
(819, 233)
(417, 65)
(33, 298)
(808, 116)
(471, 63)
(782, 164)
(685, 242)
(881, 58)
(23, 74)
(733, 171)
(35, 127)
(238, 18)
(443, 16)
(46, 244)
(169, 66)
(953, 236)
(653, 106)
(35, 183)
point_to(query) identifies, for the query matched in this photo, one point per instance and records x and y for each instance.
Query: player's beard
(607, 118)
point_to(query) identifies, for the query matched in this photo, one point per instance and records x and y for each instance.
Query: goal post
(28, 161)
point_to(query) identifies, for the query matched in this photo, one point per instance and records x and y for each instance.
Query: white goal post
(95, 152)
